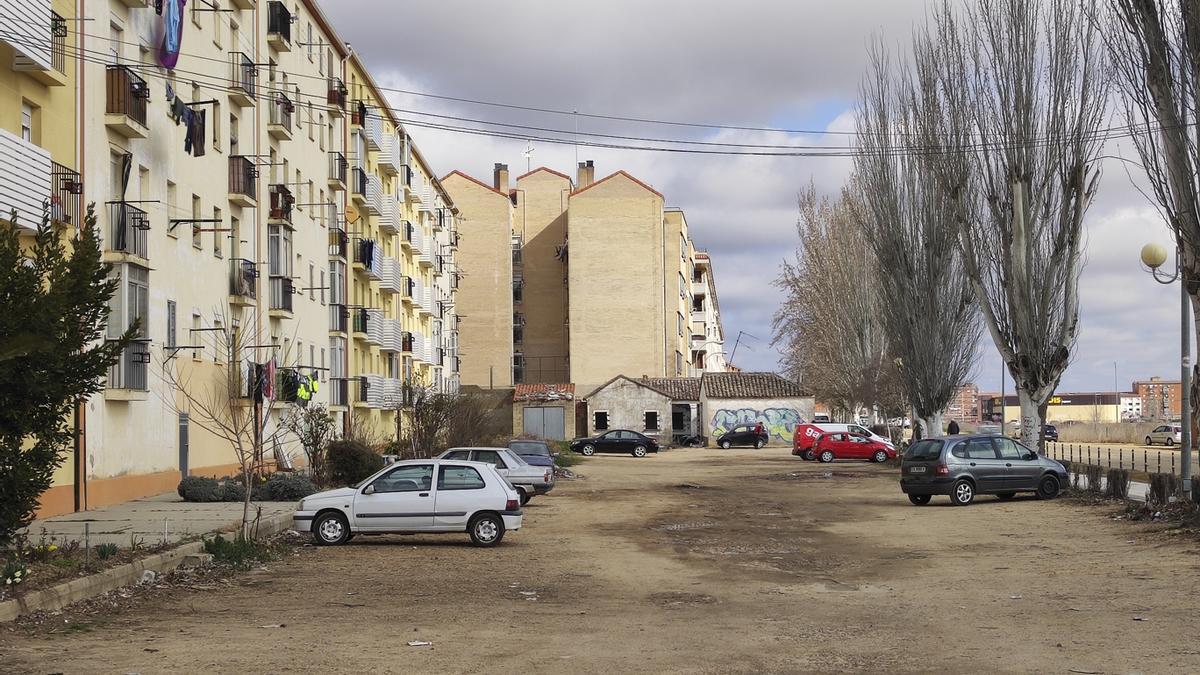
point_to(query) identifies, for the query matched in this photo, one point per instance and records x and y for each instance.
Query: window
(678, 364)
(980, 448)
(312, 356)
(26, 122)
(195, 334)
(172, 200)
(518, 289)
(1008, 448)
(219, 341)
(312, 275)
(215, 8)
(216, 126)
(171, 323)
(196, 221)
(600, 420)
(218, 235)
(651, 420)
(683, 288)
(279, 251)
(337, 282)
(459, 478)
(491, 457)
(321, 287)
(461, 455)
(405, 479)
(321, 373)
(518, 368)
(139, 299)
(680, 322)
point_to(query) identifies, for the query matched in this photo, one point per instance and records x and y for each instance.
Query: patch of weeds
(239, 551)
(566, 459)
(106, 551)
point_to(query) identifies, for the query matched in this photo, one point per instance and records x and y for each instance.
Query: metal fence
(1134, 459)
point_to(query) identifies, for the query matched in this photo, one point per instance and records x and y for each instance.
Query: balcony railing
(127, 94)
(243, 177)
(281, 293)
(358, 115)
(338, 167)
(337, 94)
(243, 76)
(360, 320)
(339, 391)
(243, 278)
(362, 389)
(281, 111)
(339, 318)
(406, 341)
(58, 42)
(338, 242)
(66, 195)
(281, 203)
(130, 372)
(279, 21)
(127, 226)
(358, 181)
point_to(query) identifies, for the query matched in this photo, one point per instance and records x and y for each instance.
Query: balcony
(366, 253)
(339, 318)
(406, 233)
(362, 390)
(374, 326)
(358, 185)
(373, 130)
(427, 199)
(389, 155)
(339, 392)
(337, 97)
(282, 202)
(280, 123)
(406, 176)
(40, 46)
(374, 196)
(407, 288)
(358, 113)
(243, 78)
(66, 196)
(127, 226)
(338, 166)
(282, 291)
(338, 243)
(128, 377)
(279, 26)
(699, 288)
(243, 282)
(387, 214)
(242, 4)
(359, 323)
(126, 98)
(406, 342)
(243, 182)
(390, 277)
(389, 330)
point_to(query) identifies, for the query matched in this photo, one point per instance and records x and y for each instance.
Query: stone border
(57, 597)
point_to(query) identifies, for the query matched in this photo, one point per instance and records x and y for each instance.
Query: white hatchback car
(1166, 434)
(404, 498)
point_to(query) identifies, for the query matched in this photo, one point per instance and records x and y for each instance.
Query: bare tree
(926, 303)
(1014, 117)
(829, 325)
(230, 396)
(314, 427)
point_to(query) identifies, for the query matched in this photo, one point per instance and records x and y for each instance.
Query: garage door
(544, 422)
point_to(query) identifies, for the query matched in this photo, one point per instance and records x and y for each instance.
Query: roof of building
(677, 388)
(750, 385)
(474, 180)
(620, 172)
(547, 170)
(542, 391)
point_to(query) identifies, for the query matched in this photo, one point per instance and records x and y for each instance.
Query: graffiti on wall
(780, 423)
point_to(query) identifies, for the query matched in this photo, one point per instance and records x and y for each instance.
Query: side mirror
(369, 490)
(1029, 456)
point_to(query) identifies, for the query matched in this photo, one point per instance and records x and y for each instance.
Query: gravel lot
(691, 561)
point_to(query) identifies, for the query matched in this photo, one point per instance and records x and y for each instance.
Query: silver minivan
(964, 466)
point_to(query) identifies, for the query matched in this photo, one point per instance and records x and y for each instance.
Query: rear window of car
(529, 449)
(924, 451)
(459, 478)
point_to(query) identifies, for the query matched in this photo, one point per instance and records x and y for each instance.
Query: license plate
(916, 469)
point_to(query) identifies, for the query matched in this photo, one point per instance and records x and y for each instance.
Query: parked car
(617, 440)
(1050, 432)
(535, 453)
(744, 434)
(527, 479)
(965, 466)
(807, 434)
(989, 428)
(1165, 434)
(404, 498)
(845, 445)
(821, 418)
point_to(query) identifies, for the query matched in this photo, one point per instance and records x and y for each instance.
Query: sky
(755, 63)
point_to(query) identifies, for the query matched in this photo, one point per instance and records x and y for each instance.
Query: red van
(806, 434)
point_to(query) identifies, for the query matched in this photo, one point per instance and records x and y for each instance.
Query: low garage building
(730, 399)
(544, 411)
(665, 409)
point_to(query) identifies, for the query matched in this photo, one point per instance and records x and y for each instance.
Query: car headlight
(300, 506)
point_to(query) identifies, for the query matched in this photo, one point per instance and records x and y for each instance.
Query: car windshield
(529, 448)
(924, 451)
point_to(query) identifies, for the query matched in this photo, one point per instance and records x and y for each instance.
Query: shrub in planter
(232, 490)
(1094, 475)
(285, 487)
(349, 462)
(1163, 486)
(199, 489)
(1118, 484)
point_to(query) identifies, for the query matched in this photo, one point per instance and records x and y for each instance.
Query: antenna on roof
(528, 153)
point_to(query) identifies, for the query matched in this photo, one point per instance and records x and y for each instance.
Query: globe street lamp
(1153, 257)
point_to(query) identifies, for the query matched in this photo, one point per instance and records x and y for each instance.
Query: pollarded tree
(926, 302)
(1014, 129)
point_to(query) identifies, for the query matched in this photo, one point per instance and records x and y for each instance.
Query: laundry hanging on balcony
(168, 53)
(193, 142)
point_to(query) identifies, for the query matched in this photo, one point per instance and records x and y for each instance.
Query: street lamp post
(1153, 256)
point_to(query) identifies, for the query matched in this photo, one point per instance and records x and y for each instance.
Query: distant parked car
(964, 466)
(404, 498)
(845, 445)
(807, 434)
(536, 453)
(989, 429)
(1050, 432)
(744, 434)
(528, 480)
(1165, 434)
(617, 440)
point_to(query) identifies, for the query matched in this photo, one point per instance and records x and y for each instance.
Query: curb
(57, 597)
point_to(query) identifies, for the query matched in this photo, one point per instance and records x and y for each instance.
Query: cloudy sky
(755, 63)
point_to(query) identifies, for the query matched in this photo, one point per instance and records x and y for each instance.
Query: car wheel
(1005, 496)
(724, 445)
(880, 456)
(758, 444)
(963, 493)
(331, 529)
(589, 450)
(639, 451)
(808, 455)
(920, 500)
(1170, 441)
(525, 496)
(1149, 441)
(486, 529)
(826, 456)
(1048, 488)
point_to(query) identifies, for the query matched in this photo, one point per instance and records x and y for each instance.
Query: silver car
(1165, 434)
(964, 466)
(528, 480)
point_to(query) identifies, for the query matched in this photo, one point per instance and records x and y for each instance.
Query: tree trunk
(247, 478)
(931, 425)
(1031, 420)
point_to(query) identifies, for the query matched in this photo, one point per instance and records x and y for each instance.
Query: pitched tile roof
(473, 180)
(547, 170)
(750, 385)
(610, 176)
(677, 388)
(544, 392)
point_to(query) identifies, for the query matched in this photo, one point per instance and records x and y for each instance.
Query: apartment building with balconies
(708, 335)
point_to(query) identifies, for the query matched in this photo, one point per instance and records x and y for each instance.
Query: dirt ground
(769, 565)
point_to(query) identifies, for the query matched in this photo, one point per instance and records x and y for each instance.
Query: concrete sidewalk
(150, 520)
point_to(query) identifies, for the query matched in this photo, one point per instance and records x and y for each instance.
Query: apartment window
(218, 235)
(337, 282)
(680, 321)
(26, 122)
(600, 420)
(309, 119)
(683, 247)
(321, 287)
(518, 368)
(518, 286)
(678, 364)
(325, 210)
(196, 221)
(233, 134)
(216, 126)
(219, 341)
(308, 40)
(171, 323)
(215, 8)
(234, 231)
(698, 303)
(312, 356)
(683, 288)
(321, 125)
(172, 201)
(651, 420)
(518, 333)
(321, 372)
(312, 274)
(195, 334)
(279, 251)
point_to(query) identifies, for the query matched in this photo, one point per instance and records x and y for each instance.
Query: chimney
(500, 174)
(586, 175)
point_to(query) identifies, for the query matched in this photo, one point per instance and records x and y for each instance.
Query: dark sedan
(535, 453)
(617, 440)
(744, 434)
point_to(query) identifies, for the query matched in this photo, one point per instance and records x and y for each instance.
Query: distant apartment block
(964, 404)
(1160, 399)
